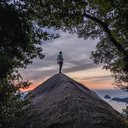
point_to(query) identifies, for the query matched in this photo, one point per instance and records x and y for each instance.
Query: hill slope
(61, 102)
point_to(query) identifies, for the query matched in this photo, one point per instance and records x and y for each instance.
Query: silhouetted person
(60, 61)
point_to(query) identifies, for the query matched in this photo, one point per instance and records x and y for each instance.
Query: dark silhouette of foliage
(21, 32)
(106, 20)
(20, 40)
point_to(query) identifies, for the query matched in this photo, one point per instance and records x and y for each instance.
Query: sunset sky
(77, 63)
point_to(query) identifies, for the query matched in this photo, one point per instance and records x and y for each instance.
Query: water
(113, 93)
(24, 93)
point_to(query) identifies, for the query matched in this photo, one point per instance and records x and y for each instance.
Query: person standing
(60, 61)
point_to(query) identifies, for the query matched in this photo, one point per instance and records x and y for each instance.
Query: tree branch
(108, 32)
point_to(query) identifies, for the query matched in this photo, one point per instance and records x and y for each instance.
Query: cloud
(76, 53)
(80, 67)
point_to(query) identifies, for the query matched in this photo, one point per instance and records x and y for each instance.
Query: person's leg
(59, 67)
(60, 64)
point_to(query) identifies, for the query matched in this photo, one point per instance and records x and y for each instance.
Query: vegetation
(23, 26)
(106, 20)
(20, 40)
(11, 103)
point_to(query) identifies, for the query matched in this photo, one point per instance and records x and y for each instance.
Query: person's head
(60, 52)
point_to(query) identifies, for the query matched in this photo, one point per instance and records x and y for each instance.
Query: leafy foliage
(20, 40)
(106, 20)
(11, 103)
(22, 23)
(125, 113)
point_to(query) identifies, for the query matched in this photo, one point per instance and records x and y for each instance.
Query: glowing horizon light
(91, 81)
(77, 63)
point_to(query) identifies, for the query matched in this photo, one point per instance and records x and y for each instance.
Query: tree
(88, 18)
(12, 105)
(106, 20)
(20, 40)
(17, 48)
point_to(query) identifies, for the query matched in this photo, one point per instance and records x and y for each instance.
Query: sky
(77, 63)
